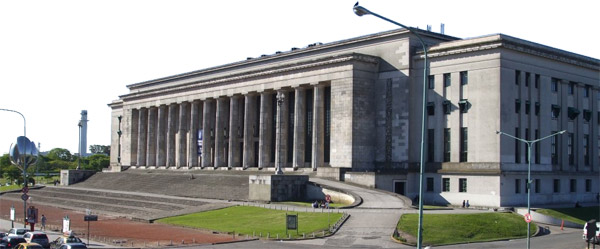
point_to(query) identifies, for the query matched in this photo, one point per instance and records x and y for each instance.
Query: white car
(596, 239)
(18, 231)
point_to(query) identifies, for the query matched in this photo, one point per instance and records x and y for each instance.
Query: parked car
(37, 237)
(18, 231)
(58, 242)
(2, 235)
(73, 246)
(11, 241)
(595, 239)
(26, 245)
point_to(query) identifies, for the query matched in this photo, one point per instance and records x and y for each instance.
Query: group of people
(320, 204)
(466, 204)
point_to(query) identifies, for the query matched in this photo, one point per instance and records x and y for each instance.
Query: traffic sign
(527, 217)
(25, 190)
(24, 197)
(90, 218)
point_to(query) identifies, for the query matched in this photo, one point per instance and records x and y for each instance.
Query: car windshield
(40, 236)
(78, 247)
(73, 240)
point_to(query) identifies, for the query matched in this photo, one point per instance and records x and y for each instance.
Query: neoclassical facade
(351, 110)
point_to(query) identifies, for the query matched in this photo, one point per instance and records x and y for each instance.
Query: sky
(60, 57)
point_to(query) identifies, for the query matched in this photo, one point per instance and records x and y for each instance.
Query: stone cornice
(512, 43)
(286, 68)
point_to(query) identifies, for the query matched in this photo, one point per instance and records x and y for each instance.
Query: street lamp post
(24, 122)
(529, 143)
(280, 99)
(360, 11)
(79, 146)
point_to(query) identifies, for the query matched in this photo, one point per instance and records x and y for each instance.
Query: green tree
(60, 154)
(100, 149)
(98, 162)
(12, 174)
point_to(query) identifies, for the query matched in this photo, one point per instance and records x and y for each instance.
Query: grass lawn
(309, 204)
(10, 187)
(578, 215)
(440, 229)
(249, 220)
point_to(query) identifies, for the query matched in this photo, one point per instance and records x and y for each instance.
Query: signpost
(527, 217)
(12, 217)
(66, 225)
(88, 217)
(291, 222)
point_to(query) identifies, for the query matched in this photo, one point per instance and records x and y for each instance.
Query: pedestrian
(43, 222)
(468, 205)
(463, 206)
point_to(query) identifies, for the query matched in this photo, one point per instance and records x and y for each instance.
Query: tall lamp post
(24, 122)
(529, 143)
(79, 146)
(360, 11)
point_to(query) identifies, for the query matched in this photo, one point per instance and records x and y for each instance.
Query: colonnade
(238, 131)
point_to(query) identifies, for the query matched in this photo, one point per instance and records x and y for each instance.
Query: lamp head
(497, 132)
(360, 11)
(561, 132)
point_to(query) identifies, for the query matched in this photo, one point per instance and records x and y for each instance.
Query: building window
(587, 115)
(447, 107)
(517, 186)
(537, 81)
(570, 144)
(446, 80)
(556, 186)
(527, 186)
(554, 84)
(462, 185)
(573, 113)
(517, 105)
(526, 150)
(527, 79)
(537, 108)
(517, 77)
(430, 145)
(588, 185)
(555, 111)
(537, 185)
(429, 184)
(327, 132)
(445, 184)
(464, 142)
(464, 105)
(527, 107)
(446, 144)
(430, 108)
(586, 150)
(571, 88)
(517, 147)
(586, 91)
(537, 147)
(431, 81)
(464, 78)
(554, 148)
(573, 186)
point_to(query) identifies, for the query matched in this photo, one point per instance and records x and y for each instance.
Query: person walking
(43, 222)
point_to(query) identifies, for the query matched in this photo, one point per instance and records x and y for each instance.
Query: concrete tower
(83, 133)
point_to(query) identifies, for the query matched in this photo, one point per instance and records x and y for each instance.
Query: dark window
(464, 142)
(537, 147)
(571, 88)
(555, 111)
(586, 91)
(464, 78)
(429, 184)
(274, 120)
(431, 81)
(570, 151)
(526, 147)
(554, 148)
(573, 113)
(462, 185)
(556, 186)
(517, 147)
(537, 185)
(447, 80)
(445, 184)
(464, 105)
(291, 115)
(573, 185)
(527, 79)
(446, 144)
(588, 185)
(554, 84)
(587, 115)
(586, 150)
(517, 186)
(327, 135)
(308, 129)
(537, 108)
(537, 81)
(527, 107)
(430, 108)
(447, 107)
(517, 105)
(517, 77)
(527, 186)
(430, 145)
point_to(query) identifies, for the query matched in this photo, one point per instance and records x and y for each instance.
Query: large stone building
(352, 111)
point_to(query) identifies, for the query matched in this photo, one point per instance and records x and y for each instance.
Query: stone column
(234, 132)
(249, 116)
(208, 132)
(299, 120)
(161, 153)
(171, 130)
(221, 133)
(265, 131)
(318, 125)
(192, 146)
(281, 131)
(151, 144)
(182, 135)
(142, 137)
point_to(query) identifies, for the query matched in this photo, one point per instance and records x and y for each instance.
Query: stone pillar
(171, 130)
(161, 153)
(182, 136)
(249, 117)
(192, 147)
(299, 120)
(151, 143)
(318, 125)
(234, 132)
(265, 131)
(208, 132)
(281, 131)
(221, 132)
(142, 137)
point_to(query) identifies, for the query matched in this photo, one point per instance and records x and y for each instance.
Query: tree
(60, 154)
(100, 149)
(98, 162)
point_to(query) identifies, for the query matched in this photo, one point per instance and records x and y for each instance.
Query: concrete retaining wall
(69, 177)
(541, 218)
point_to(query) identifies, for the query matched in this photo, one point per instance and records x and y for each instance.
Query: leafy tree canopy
(60, 154)
(100, 149)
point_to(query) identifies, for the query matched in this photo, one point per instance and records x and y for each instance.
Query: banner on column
(199, 142)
